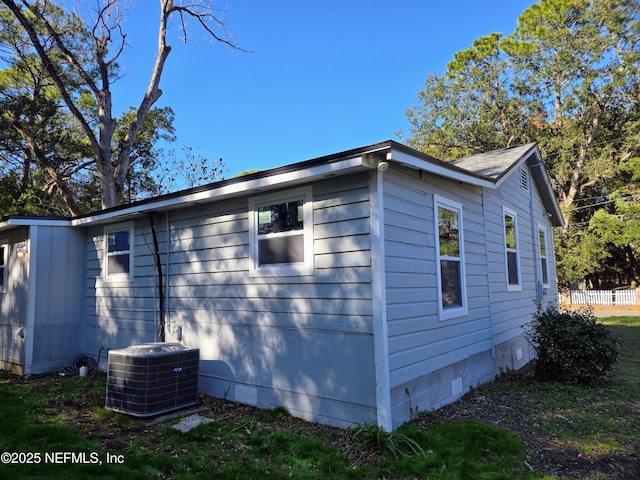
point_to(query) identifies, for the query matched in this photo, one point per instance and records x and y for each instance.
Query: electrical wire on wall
(156, 251)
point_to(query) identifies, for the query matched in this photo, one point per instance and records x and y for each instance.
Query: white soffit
(443, 170)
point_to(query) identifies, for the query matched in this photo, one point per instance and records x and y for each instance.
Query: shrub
(571, 346)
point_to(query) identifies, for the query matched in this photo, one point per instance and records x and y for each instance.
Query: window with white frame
(511, 249)
(281, 236)
(544, 267)
(450, 250)
(4, 260)
(119, 251)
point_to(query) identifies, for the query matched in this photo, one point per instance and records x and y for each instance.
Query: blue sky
(322, 77)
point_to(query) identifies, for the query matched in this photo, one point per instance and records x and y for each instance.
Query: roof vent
(524, 179)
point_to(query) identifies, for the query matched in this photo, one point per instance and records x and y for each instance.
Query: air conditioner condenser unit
(152, 378)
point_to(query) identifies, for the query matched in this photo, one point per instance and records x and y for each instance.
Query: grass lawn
(512, 428)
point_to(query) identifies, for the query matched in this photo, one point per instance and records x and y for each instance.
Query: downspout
(161, 329)
(168, 282)
(535, 239)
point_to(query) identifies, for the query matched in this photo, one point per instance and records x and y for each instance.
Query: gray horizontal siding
(511, 310)
(417, 336)
(121, 312)
(426, 353)
(304, 342)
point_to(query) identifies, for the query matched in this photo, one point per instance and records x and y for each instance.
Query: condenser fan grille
(150, 379)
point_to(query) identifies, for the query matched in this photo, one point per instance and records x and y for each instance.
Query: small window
(511, 250)
(4, 259)
(282, 235)
(118, 251)
(542, 237)
(450, 247)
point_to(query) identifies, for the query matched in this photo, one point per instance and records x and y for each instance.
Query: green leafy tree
(80, 58)
(43, 148)
(567, 78)
(37, 134)
(581, 59)
(471, 108)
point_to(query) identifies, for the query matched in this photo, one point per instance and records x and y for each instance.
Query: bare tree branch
(106, 31)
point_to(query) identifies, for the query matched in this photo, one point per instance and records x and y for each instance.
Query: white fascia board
(441, 170)
(539, 175)
(34, 222)
(259, 184)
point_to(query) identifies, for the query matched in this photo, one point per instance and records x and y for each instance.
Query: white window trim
(5, 273)
(117, 228)
(543, 229)
(511, 287)
(293, 269)
(448, 313)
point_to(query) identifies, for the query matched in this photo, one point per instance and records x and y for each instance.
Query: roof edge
(288, 175)
(532, 149)
(15, 221)
(257, 177)
(408, 156)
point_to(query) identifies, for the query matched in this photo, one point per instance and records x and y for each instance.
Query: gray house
(357, 287)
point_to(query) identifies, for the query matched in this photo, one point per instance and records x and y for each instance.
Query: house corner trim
(380, 328)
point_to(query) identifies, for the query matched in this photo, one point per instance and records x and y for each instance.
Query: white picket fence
(601, 297)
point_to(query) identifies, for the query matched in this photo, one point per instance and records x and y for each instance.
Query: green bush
(572, 346)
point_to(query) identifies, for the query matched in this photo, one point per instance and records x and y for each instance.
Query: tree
(43, 148)
(80, 60)
(567, 78)
(471, 108)
(187, 170)
(32, 124)
(581, 57)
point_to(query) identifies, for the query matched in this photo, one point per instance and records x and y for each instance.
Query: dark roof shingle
(493, 164)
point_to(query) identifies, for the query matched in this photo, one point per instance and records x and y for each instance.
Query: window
(282, 236)
(4, 260)
(542, 236)
(118, 251)
(450, 258)
(511, 249)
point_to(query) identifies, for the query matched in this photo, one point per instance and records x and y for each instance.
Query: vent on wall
(152, 378)
(524, 179)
